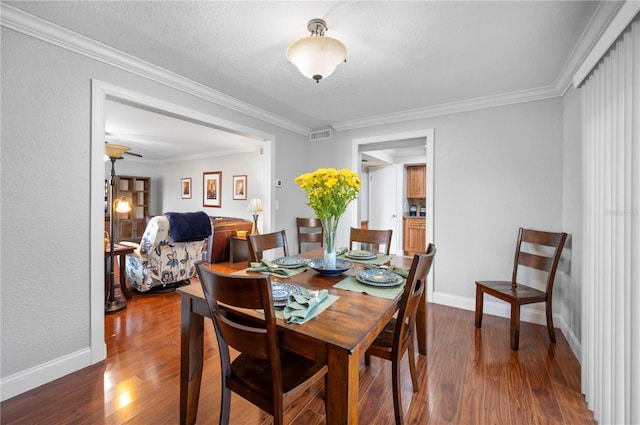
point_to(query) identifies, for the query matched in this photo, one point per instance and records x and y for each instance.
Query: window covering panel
(611, 208)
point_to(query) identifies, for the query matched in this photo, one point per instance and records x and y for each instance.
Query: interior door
(384, 202)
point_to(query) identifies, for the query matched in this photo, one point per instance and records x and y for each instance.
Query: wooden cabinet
(416, 181)
(414, 235)
(219, 243)
(130, 226)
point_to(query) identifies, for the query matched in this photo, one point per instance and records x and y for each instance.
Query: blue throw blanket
(188, 227)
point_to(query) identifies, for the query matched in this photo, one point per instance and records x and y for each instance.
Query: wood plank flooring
(468, 377)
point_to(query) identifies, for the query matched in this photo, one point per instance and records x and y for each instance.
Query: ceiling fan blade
(134, 154)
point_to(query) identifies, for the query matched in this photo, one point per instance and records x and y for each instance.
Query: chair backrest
(541, 252)
(370, 239)
(415, 286)
(260, 243)
(255, 338)
(309, 231)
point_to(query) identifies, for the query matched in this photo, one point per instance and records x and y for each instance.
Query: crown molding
(20, 21)
(451, 108)
(604, 13)
(612, 25)
(28, 24)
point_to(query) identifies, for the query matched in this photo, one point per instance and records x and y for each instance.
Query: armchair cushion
(159, 260)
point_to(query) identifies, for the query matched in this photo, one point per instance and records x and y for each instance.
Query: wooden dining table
(338, 336)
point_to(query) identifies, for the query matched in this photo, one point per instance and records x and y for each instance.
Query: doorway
(425, 140)
(385, 210)
(100, 92)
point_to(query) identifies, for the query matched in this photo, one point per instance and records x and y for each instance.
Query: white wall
(45, 168)
(166, 182)
(249, 164)
(495, 170)
(569, 287)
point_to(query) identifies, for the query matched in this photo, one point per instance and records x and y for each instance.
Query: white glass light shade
(316, 57)
(122, 205)
(255, 205)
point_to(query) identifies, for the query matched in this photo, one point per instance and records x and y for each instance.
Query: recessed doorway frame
(429, 138)
(100, 92)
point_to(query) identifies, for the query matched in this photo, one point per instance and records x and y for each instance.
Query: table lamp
(255, 206)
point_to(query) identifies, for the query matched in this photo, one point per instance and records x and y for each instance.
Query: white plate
(290, 262)
(361, 255)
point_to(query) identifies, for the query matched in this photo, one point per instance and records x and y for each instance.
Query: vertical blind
(611, 178)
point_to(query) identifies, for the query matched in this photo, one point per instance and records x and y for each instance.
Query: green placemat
(352, 284)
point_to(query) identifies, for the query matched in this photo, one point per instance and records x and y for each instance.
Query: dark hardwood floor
(468, 377)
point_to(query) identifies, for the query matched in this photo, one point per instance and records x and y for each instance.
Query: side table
(121, 252)
(238, 249)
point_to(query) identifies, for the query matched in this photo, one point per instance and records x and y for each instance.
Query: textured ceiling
(401, 56)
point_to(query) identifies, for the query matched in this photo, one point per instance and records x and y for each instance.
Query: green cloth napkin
(299, 307)
(266, 266)
(352, 284)
(401, 271)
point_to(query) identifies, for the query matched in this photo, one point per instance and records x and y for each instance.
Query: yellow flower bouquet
(329, 192)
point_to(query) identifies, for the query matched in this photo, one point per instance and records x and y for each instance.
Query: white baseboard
(29, 379)
(502, 309)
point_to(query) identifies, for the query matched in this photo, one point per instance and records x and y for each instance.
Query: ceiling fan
(114, 151)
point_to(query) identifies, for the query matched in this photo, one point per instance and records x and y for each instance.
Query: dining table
(338, 336)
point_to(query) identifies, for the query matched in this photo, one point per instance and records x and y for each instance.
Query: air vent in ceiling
(320, 135)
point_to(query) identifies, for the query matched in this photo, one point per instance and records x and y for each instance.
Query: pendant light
(317, 56)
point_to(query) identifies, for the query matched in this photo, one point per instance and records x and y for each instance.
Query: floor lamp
(121, 205)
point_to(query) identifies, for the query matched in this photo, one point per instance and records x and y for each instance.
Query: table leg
(106, 278)
(421, 324)
(191, 357)
(122, 258)
(342, 388)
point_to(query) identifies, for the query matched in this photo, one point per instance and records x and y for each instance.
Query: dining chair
(265, 242)
(310, 231)
(263, 373)
(398, 335)
(542, 251)
(370, 239)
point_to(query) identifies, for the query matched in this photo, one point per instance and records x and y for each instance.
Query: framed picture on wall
(240, 187)
(185, 191)
(212, 189)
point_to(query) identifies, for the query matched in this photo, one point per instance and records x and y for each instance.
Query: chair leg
(412, 366)
(550, 327)
(479, 304)
(515, 326)
(367, 360)
(225, 405)
(397, 388)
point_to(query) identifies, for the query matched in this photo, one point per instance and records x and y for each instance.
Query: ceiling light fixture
(317, 56)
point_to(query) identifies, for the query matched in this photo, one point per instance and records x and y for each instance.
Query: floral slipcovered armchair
(160, 260)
